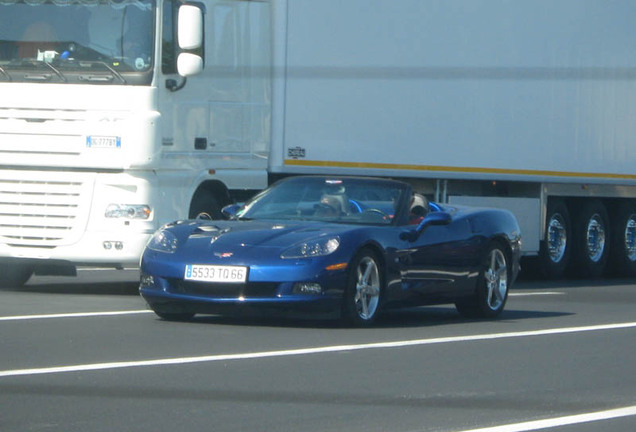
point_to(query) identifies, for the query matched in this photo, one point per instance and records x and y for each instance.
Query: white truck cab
(117, 116)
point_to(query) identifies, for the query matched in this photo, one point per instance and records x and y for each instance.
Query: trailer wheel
(13, 274)
(554, 253)
(623, 244)
(591, 240)
(205, 205)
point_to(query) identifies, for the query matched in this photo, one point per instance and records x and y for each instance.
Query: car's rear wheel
(364, 287)
(491, 293)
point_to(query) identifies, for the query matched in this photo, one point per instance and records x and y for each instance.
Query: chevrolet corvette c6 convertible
(343, 246)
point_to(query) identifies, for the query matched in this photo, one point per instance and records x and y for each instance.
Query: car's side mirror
(431, 219)
(230, 211)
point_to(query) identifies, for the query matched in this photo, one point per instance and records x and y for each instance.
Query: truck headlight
(163, 241)
(313, 248)
(128, 211)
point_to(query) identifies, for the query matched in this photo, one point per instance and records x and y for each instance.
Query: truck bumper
(104, 249)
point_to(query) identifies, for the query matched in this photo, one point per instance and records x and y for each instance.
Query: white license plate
(212, 273)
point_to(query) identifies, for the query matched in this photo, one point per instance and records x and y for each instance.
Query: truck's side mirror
(190, 39)
(189, 64)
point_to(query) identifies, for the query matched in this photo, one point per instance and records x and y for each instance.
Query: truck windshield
(77, 41)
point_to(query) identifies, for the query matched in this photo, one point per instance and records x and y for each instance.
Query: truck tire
(623, 243)
(205, 205)
(591, 237)
(13, 274)
(554, 253)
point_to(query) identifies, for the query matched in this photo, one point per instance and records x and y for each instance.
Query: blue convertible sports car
(346, 246)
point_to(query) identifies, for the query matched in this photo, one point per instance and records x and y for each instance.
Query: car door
(440, 261)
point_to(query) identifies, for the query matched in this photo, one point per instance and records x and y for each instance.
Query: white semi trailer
(117, 116)
(527, 105)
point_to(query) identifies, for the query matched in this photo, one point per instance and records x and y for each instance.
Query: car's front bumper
(176, 295)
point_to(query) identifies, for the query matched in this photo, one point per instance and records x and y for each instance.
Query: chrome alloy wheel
(557, 238)
(367, 296)
(630, 238)
(496, 276)
(595, 235)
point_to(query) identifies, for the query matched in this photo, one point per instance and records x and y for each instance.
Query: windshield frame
(102, 54)
(368, 201)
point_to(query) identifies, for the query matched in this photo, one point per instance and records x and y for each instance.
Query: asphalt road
(85, 355)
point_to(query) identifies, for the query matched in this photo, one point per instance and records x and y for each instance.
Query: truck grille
(39, 213)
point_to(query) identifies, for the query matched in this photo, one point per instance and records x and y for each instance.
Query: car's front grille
(225, 290)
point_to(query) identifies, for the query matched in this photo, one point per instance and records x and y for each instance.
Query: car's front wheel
(491, 294)
(169, 313)
(364, 286)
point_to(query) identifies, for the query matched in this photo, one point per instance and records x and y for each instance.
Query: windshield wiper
(98, 78)
(57, 72)
(43, 77)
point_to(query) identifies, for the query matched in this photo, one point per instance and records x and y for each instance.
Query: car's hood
(228, 235)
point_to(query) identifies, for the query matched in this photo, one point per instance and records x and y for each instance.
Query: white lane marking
(92, 269)
(307, 351)
(561, 421)
(539, 293)
(73, 315)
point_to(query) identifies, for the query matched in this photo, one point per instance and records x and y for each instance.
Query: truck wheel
(364, 286)
(554, 253)
(205, 206)
(623, 244)
(13, 274)
(591, 240)
(492, 287)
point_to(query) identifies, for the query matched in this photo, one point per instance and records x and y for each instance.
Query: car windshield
(344, 200)
(77, 41)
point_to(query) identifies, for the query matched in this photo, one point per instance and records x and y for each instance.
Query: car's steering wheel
(376, 211)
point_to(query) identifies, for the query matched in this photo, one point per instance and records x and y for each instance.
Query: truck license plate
(93, 141)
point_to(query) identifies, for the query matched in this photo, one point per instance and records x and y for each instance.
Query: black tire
(591, 240)
(13, 274)
(623, 240)
(363, 294)
(493, 285)
(555, 250)
(168, 313)
(205, 205)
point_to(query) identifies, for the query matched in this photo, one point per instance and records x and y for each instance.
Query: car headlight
(163, 241)
(313, 248)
